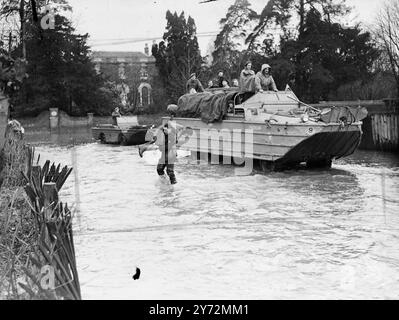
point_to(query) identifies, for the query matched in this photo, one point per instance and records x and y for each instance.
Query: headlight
(305, 118)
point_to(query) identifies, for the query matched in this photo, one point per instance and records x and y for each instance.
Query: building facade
(133, 74)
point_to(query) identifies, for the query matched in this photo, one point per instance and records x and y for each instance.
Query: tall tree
(61, 73)
(178, 55)
(279, 13)
(327, 56)
(387, 34)
(235, 28)
(27, 11)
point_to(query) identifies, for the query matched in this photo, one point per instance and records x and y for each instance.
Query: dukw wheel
(267, 166)
(273, 166)
(319, 164)
(122, 140)
(102, 138)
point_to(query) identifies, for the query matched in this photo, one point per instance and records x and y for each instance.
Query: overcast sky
(121, 19)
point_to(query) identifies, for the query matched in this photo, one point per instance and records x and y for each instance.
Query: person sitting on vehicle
(116, 114)
(264, 80)
(225, 84)
(247, 82)
(230, 108)
(235, 83)
(194, 85)
(220, 80)
(211, 85)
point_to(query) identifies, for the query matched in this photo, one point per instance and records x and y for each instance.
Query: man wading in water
(166, 138)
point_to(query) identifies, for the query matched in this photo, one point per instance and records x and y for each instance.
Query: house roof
(122, 56)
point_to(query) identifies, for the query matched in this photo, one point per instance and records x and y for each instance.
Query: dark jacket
(220, 81)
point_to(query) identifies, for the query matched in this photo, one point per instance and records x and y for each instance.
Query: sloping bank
(37, 256)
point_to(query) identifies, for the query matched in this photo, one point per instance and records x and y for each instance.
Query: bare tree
(387, 35)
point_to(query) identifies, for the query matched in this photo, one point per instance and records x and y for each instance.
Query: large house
(132, 72)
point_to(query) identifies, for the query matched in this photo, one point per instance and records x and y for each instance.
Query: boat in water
(124, 131)
(274, 129)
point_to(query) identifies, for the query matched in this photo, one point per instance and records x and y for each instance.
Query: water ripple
(297, 234)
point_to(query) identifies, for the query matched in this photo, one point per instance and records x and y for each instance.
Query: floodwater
(293, 235)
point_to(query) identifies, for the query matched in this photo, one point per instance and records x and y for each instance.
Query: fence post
(3, 118)
(54, 118)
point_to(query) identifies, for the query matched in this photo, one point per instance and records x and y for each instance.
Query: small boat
(283, 131)
(125, 131)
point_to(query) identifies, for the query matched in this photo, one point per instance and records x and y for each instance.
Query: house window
(145, 94)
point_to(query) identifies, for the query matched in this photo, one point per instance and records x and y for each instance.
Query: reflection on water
(296, 234)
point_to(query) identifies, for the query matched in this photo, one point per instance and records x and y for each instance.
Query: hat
(172, 108)
(248, 62)
(192, 75)
(265, 66)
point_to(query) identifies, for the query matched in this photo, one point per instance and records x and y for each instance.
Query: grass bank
(36, 240)
(17, 228)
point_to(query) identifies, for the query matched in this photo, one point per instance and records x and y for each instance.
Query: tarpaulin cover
(210, 107)
(345, 114)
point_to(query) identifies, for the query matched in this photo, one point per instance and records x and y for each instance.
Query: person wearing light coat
(247, 77)
(264, 80)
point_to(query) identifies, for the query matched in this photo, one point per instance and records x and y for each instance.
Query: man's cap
(172, 108)
(265, 66)
(192, 75)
